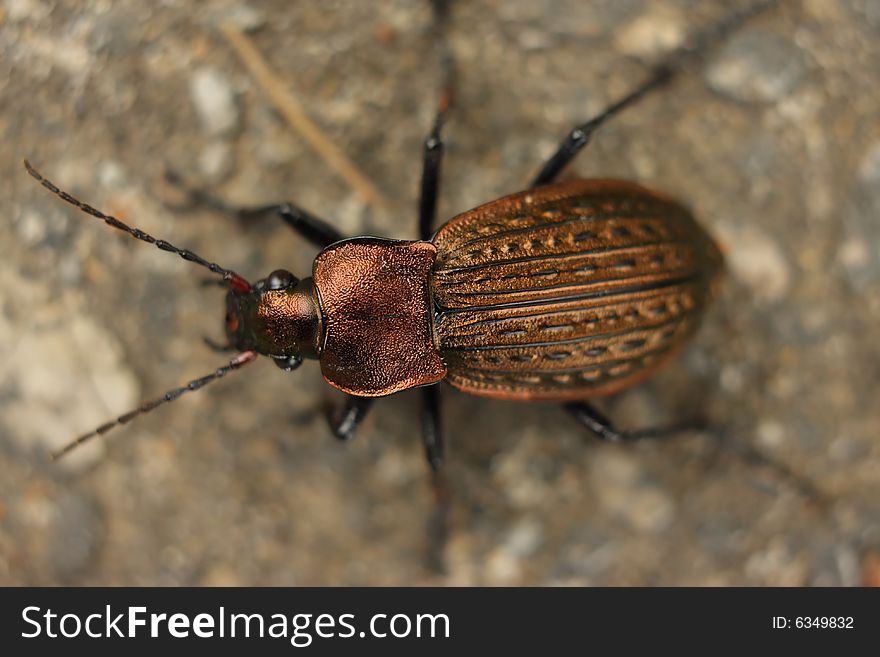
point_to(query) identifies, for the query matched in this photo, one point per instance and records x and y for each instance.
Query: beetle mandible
(566, 292)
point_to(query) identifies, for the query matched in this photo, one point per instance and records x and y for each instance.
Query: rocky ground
(773, 140)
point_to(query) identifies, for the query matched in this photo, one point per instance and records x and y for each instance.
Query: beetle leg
(438, 523)
(315, 230)
(432, 159)
(581, 134)
(433, 149)
(344, 424)
(660, 75)
(600, 425)
(433, 155)
(432, 437)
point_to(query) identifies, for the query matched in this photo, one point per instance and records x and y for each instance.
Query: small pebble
(215, 102)
(245, 17)
(31, 227)
(18, 10)
(532, 39)
(110, 174)
(853, 254)
(732, 379)
(651, 34)
(69, 377)
(525, 538)
(650, 510)
(869, 167)
(757, 67)
(771, 434)
(871, 569)
(844, 449)
(755, 260)
(847, 565)
(75, 535)
(216, 161)
(872, 12)
(857, 253)
(502, 567)
(643, 507)
(775, 565)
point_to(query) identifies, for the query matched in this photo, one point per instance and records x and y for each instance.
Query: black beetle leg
(600, 425)
(430, 181)
(315, 230)
(438, 524)
(433, 148)
(745, 453)
(432, 437)
(580, 136)
(346, 422)
(660, 75)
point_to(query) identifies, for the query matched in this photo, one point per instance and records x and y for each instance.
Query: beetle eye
(280, 279)
(289, 363)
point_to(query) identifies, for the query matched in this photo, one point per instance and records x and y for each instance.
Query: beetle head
(238, 288)
(278, 317)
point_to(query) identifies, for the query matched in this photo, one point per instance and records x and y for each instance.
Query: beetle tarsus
(604, 429)
(660, 75)
(751, 456)
(438, 524)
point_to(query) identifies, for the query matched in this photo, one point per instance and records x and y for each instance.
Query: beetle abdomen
(568, 291)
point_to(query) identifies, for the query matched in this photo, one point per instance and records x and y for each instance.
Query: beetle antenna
(241, 360)
(231, 279)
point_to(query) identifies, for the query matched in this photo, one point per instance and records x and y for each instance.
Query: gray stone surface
(773, 140)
